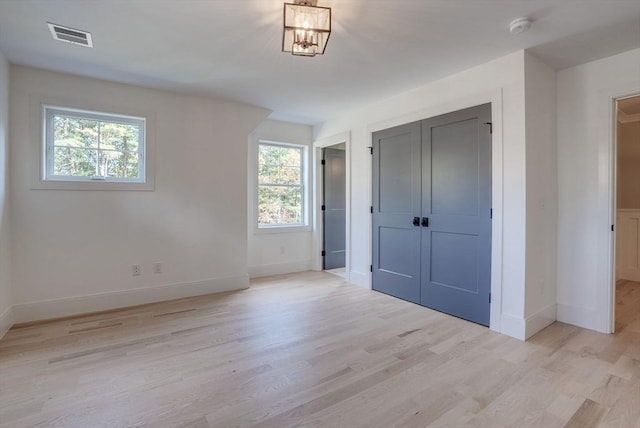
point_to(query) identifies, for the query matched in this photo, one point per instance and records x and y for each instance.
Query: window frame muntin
(49, 111)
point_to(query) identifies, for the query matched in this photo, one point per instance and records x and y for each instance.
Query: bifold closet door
(456, 198)
(396, 206)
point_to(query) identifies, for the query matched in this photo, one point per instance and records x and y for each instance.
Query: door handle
(416, 221)
(425, 222)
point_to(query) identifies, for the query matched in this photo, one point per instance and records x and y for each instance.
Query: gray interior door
(334, 213)
(432, 213)
(456, 199)
(396, 203)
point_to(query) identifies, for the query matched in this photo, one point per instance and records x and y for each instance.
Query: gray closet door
(334, 213)
(396, 202)
(456, 199)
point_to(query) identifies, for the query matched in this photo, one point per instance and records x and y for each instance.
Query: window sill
(92, 185)
(281, 229)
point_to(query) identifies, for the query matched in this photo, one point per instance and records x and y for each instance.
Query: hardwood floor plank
(623, 412)
(588, 415)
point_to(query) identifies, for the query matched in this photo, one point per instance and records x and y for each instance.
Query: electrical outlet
(282, 249)
(136, 270)
(157, 267)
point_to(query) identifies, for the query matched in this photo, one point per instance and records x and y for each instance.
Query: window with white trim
(83, 145)
(282, 192)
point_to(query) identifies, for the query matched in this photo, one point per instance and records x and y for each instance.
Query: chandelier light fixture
(306, 28)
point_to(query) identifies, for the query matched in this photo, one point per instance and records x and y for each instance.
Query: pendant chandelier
(306, 28)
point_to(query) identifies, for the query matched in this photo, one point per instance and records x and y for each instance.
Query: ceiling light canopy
(520, 25)
(306, 28)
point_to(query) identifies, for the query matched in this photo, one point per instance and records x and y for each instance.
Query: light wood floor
(309, 350)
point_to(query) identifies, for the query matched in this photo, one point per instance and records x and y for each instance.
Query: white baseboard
(540, 320)
(579, 316)
(513, 326)
(6, 321)
(360, 279)
(47, 309)
(279, 268)
(524, 328)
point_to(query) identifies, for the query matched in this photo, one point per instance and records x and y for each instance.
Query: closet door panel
(396, 201)
(456, 199)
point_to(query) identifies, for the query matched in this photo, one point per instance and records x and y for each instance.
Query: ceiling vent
(70, 35)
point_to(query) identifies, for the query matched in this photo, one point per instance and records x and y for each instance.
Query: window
(91, 146)
(281, 185)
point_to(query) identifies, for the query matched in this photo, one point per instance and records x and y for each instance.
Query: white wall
(540, 106)
(500, 82)
(6, 300)
(585, 196)
(72, 250)
(274, 251)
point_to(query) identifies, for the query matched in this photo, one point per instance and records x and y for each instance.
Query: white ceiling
(232, 48)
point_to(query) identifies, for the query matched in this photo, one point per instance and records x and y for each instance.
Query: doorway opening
(334, 209)
(626, 284)
(332, 206)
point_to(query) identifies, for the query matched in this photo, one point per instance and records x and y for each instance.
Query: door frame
(318, 226)
(507, 326)
(610, 256)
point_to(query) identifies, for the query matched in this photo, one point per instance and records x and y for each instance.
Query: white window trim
(305, 226)
(37, 124)
(48, 159)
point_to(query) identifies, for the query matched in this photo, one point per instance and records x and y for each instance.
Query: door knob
(425, 222)
(416, 221)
